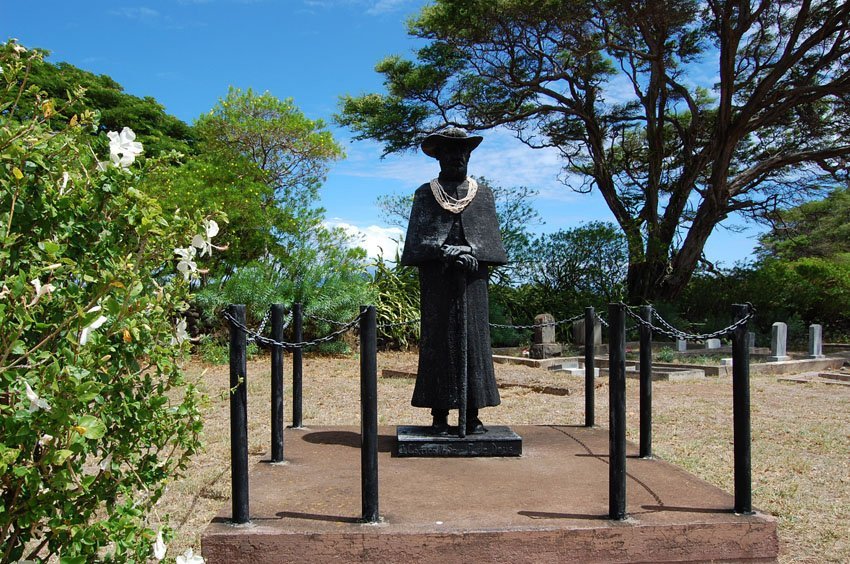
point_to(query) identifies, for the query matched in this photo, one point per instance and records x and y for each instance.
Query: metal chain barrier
(254, 336)
(265, 321)
(326, 320)
(547, 324)
(675, 334)
(601, 320)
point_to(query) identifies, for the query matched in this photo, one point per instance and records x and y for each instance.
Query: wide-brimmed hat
(449, 136)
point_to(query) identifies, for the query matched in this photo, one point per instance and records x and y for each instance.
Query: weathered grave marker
(778, 342)
(544, 345)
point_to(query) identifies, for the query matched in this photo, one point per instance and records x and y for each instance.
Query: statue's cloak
(429, 227)
(440, 281)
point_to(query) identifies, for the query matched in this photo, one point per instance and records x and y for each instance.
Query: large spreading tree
(679, 113)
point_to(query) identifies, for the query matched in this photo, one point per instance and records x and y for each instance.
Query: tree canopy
(820, 228)
(614, 87)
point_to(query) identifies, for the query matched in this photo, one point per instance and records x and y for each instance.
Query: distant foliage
(397, 289)
(322, 290)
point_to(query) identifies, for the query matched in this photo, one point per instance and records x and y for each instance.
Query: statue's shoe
(440, 426)
(475, 427)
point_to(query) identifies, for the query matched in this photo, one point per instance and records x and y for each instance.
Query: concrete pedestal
(549, 505)
(499, 440)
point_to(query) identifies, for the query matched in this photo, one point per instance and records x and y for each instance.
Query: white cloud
(369, 7)
(385, 6)
(501, 158)
(377, 240)
(135, 13)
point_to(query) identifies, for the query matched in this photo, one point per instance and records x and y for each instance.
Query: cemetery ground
(800, 434)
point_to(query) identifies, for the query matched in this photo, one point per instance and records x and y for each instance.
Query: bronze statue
(453, 238)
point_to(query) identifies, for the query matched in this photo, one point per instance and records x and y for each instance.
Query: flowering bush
(95, 414)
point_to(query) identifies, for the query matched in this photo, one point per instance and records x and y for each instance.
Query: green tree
(262, 161)
(820, 228)
(582, 266)
(610, 85)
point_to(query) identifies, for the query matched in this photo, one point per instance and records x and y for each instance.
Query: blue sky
(186, 53)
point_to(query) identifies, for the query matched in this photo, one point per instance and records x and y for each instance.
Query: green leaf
(91, 427)
(60, 456)
(72, 560)
(49, 247)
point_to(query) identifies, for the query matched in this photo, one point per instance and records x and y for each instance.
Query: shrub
(95, 415)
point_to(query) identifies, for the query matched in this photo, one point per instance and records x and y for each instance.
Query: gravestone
(681, 345)
(712, 343)
(544, 338)
(778, 342)
(816, 341)
(751, 340)
(578, 332)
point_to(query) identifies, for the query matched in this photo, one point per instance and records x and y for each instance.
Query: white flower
(159, 548)
(84, 334)
(203, 242)
(180, 333)
(106, 463)
(40, 290)
(123, 147)
(189, 557)
(36, 402)
(65, 178)
(45, 438)
(187, 261)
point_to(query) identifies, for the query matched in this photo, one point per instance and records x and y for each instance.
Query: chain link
(676, 334)
(262, 325)
(252, 335)
(601, 320)
(326, 320)
(547, 324)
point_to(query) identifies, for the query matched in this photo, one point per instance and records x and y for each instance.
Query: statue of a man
(453, 238)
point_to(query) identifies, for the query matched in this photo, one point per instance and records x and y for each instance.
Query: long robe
(430, 227)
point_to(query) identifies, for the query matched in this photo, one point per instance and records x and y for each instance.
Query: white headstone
(681, 345)
(751, 340)
(712, 343)
(778, 342)
(816, 341)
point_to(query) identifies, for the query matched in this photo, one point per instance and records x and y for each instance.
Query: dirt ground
(800, 437)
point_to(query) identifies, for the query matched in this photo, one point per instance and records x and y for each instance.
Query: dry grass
(800, 432)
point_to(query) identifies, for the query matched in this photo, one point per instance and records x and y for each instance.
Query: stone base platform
(549, 505)
(416, 440)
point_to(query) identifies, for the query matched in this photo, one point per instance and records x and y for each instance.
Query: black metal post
(646, 384)
(297, 336)
(369, 413)
(277, 384)
(589, 355)
(238, 416)
(617, 412)
(741, 412)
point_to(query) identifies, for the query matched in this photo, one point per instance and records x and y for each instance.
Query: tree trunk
(645, 282)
